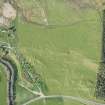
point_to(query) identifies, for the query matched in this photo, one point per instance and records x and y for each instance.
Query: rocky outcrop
(8, 11)
(7, 14)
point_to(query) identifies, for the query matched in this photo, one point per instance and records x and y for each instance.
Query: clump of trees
(29, 71)
(3, 51)
(30, 74)
(100, 86)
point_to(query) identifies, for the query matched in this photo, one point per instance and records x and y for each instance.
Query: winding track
(10, 87)
(77, 99)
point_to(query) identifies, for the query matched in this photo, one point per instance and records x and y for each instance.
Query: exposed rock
(8, 11)
(4, 22)
(7, 14)
(0, 12)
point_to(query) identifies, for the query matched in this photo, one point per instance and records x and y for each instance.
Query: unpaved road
(78, 99)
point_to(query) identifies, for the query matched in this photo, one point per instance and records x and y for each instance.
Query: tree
(100, 86)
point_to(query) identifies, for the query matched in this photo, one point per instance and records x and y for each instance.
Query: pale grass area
(75, 57)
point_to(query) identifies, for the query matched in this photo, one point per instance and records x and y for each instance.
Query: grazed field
(67, 57)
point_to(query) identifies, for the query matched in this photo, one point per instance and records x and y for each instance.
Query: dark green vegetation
(29, 72)
(100, 87)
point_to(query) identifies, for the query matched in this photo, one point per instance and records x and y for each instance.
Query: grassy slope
(3, 87)
(66, 57)
(22, 95)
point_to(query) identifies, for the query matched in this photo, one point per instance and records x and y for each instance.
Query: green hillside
(66, 52)
(61, 40)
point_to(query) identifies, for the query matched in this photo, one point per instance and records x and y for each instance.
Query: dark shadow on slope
(100, 86)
